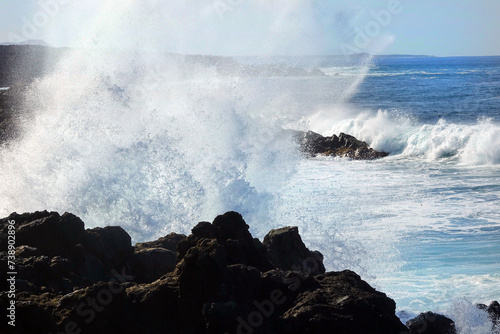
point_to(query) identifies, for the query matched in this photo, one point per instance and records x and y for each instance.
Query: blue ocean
(424, 222)
(134, 141)
(427, 217)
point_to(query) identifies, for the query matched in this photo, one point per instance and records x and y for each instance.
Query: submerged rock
(219, 279)
(346, 146)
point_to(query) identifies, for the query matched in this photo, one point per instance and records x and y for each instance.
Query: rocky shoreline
(219, 279)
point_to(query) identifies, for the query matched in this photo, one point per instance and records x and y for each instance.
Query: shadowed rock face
(286, 251)
(219, 279)
(57, 255)
(346, 146)
(431, 323)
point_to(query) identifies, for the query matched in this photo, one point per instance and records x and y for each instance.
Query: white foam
(469, 319)
(469, 144)
(153, 153)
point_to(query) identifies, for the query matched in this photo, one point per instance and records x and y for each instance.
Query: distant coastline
(340, 56)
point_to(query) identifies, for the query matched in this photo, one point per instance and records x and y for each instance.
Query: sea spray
(186, 150)
(122, 132)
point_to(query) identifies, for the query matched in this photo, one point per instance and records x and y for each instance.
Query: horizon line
(361, 54)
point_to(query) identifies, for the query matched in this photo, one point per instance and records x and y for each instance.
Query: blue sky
(244, 27)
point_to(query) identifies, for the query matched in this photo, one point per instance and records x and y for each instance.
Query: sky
(259, 27)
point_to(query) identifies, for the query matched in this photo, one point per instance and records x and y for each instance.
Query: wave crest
(469, 144)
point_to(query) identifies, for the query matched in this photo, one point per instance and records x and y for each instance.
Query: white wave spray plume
(123, 134)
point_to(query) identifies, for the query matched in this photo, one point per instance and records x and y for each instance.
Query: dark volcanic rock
(55, 253)
(168, 242)
(153, 259)
(149, 264)
(344, 145)
(111, 245)
(342, 303)
(224, 281)
(431, 323)
(49, 232)
(231, 231)
(286, 250)
(27, 251)
(155, 307)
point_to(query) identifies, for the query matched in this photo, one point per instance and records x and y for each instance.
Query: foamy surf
(468, 144)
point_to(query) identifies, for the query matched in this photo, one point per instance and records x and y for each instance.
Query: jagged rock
(111, 245)
(170, 242)
(155, 307)
(286, 250)
(225, 281)
(27, 251)
(231, 231)
(431, 323)
(312, 144)
(49, 232)
(35, 307)
(149, 264)
(342, 303)
(55, 252)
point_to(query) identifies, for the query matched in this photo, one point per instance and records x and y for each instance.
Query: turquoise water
(428, 235)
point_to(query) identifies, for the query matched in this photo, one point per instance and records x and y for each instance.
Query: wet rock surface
(344, 146)
(431, 323)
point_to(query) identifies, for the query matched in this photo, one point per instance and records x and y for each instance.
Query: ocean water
(156, 144)
(427, 218)
(423, 225)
